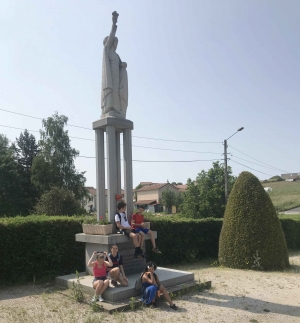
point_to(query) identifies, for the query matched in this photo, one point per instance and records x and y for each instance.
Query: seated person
(151, 287)
(137, 222)
(125, 228)
(116, 271)
(100, 282)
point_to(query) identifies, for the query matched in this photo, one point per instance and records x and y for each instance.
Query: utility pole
(225, 171)
(225, 164)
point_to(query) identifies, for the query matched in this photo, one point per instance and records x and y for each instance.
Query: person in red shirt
(137, 222)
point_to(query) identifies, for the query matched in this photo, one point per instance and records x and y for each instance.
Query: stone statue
(114, 96)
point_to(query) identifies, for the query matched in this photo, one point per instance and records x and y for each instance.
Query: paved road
(292, 211)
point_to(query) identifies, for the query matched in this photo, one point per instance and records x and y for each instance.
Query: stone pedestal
(104, 243)
(113, 127)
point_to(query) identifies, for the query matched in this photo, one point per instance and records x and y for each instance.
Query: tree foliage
(168, 200)
(54, 164)
(205, 196)
(251, 235)
(58, 201)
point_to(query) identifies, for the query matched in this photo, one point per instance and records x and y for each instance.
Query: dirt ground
(236, 296)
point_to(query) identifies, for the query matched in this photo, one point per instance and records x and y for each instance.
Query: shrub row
(41, 247)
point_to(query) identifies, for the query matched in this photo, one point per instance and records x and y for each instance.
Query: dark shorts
(98, 278)
(127, 232)
(145, 230)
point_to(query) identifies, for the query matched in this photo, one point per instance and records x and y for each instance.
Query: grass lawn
(285, 195)
(290, 216)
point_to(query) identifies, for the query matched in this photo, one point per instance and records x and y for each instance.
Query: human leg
(114, 275)
(98, 286)
(104, 287)
(122, 281)
(167, 297)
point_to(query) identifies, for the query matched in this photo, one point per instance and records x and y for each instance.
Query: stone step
(168, 278)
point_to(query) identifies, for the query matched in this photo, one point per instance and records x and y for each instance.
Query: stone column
(100, 173)
(111, 156)
(128, 186)
(118, 152)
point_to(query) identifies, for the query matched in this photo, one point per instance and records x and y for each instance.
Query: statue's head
(115, 44)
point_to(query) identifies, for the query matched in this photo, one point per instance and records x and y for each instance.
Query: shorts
(145, 230)
(98, 278)
(127, 232)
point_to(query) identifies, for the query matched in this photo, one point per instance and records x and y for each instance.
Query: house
(90, 203)
(294, 176)
(149, 195)
(182, 188)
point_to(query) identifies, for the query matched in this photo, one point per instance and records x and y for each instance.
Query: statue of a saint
(114, 98)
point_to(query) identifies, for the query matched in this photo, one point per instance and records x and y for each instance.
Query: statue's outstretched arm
(112, 34)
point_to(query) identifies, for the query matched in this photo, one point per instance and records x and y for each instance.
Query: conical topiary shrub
(251, 235)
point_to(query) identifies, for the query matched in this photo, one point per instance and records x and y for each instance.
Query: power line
(259, 160)
(162, 161)
(170, 140)
(186, 151)
(26, 115)
(248, 161)
(250, 168)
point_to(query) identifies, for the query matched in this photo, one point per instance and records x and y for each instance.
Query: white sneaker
(100, 298)
(95, 299)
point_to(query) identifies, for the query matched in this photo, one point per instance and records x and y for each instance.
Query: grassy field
(285, 195)
(290, 216)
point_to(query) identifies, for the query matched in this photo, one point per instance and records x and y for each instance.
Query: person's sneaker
(174, 307)
(137, 255)
(155, 305)
(156, 250)
(95, 299)
(114, 283)
(100, 298)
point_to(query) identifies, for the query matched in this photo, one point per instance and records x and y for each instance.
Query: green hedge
(184, 240)
(39, 247)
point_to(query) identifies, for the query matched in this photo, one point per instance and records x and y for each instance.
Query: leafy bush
(251, 228)
(39, 247)
(58, 201)
(93, 220)
(184, 240)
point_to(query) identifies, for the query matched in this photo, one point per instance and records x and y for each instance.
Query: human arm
(108, 263)
(112, 34)
(133, 221)
(91, 263)
(122, 227)
(149, 278)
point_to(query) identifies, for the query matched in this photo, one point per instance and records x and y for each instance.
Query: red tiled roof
(182, 187)
(153, 187)
(145, 202)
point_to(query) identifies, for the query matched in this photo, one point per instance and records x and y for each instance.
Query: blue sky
(198, 70)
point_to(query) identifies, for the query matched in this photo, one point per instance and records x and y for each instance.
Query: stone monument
(114, 101)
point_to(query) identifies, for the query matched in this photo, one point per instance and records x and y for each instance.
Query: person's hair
(99, 255)
(142, 207)
(150, 264)
(121, 205)
(114, 244)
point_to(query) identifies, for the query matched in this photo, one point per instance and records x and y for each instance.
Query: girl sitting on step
(100, 282)
(116, 271)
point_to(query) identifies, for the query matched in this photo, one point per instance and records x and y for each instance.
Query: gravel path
(236, 296)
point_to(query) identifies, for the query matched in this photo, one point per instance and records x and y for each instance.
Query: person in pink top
(100, 282)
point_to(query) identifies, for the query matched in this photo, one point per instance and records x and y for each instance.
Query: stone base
(168, 277)
(104, 243)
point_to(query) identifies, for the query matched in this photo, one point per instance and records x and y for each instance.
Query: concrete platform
(168, 277)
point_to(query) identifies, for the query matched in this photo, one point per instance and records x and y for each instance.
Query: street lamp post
(225, 164)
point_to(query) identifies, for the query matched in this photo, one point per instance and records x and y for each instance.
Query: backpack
(118, 230)
(138, 283)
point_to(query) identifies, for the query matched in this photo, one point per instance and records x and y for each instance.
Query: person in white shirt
(125, 228)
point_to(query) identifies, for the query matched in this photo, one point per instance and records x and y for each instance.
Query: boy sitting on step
(137, 222)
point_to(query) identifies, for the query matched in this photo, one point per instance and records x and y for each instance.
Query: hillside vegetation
(285, 195)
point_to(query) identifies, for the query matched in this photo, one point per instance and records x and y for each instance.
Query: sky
(198, 71)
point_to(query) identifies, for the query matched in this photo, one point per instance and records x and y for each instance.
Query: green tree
(54, 164)
(14, 199)
(26, 148)
(178, 200)
(58, 201)
(168, 200)
(251, 235)
(206, 196)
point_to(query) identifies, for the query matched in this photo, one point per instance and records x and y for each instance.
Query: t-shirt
(124, 220)
(138, 218)
(115, 261)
